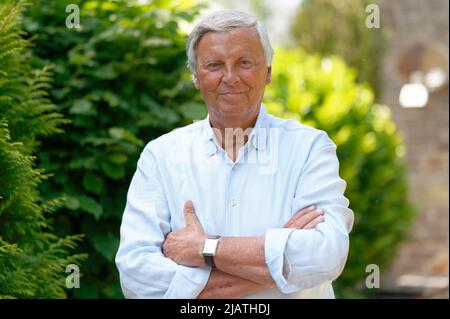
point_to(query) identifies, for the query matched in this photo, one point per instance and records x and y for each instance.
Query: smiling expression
(232, 74)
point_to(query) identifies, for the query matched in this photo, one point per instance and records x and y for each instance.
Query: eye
(213, 65)
(245, 63)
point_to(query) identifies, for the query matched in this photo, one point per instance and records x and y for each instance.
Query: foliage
(338, 27)
(32, 259)
(122, 80)
(323, 93)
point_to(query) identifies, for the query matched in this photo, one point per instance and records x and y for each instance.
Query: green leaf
(112, 170)
(72, 202)
(93, 183)
(167, 115)
(61, 93)
(82, 107)
(106, 245)
(106, 72)
(116, 132)
(83, 162)
(112, 99)
(122, 134)
(90, 205)
(194, 111)
(118, 158)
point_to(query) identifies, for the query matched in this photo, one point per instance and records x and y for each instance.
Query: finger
(303, 211)
(189, 213)
(316, 221)
(299, 214)
(302, 221)
(308, 217)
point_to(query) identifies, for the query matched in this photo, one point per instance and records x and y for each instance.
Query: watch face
(209, 249)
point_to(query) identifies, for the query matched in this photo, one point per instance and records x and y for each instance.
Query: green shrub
(121, 78)
(338, 27)
(32, 259)
(323, 93)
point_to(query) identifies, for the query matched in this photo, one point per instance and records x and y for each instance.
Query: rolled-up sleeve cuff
(188, 282)
(274, 246)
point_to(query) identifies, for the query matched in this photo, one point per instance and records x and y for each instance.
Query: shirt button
(233, 203)
(234, 167)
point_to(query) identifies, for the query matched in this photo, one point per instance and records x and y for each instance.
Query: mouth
(231, 93)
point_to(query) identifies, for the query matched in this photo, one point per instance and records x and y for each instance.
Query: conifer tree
(33, 259)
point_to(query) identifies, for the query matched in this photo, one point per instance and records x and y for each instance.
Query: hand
(184, 246)
(306, 218)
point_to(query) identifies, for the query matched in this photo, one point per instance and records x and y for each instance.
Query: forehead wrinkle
(220, 40)
(221, 51)
(223, 55)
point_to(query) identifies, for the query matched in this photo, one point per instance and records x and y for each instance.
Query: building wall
(426, 135)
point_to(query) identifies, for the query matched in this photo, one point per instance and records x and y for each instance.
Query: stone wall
(426, 135)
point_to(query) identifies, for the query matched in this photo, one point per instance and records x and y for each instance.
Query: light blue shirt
(284, 167)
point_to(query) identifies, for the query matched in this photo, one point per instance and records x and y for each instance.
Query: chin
(232, 109)
(234, 106)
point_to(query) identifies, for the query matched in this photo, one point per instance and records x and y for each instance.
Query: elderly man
(241, 204)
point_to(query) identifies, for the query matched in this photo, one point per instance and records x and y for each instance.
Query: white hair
(221, 21)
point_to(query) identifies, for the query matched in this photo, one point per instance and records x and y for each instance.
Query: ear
(269, 75)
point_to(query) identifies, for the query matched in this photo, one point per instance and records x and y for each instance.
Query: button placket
(232, 201)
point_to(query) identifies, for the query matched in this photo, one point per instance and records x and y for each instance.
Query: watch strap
(209, 258)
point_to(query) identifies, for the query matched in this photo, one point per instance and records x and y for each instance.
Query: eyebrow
(210, 60)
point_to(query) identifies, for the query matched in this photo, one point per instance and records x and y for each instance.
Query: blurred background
(84, 85)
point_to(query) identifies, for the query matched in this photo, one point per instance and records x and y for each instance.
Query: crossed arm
(240, 262)
(322, 255)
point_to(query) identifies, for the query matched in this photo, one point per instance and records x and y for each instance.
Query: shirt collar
(258, 136)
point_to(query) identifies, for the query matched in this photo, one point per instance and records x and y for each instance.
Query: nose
(230, 77)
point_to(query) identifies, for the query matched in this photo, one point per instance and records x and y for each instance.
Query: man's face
(232, 73)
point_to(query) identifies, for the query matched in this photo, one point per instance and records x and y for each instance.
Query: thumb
(189, 213)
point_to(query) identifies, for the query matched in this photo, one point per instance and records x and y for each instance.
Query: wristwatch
(209, 249)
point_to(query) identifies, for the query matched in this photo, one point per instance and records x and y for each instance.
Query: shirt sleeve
(297, 258)
(144, 271)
